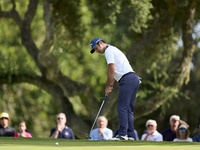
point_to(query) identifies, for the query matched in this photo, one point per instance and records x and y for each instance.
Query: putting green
(49, 144)
(54, 147)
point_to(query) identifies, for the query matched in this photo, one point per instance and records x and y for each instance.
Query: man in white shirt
(152, 134)
(102, 132)
(119, 70)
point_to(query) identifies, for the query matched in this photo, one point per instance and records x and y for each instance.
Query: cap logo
(91, 44)
(98, 40)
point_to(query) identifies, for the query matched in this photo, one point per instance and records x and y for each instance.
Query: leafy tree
(46, 44)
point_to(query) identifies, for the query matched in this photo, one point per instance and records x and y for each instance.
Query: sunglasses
(4, 118)
(150, 126)
(60, 118)
(182, 130)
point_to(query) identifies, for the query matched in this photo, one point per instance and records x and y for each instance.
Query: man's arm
(108, 135)
(110, 79)
(55, 134)
(183, 122)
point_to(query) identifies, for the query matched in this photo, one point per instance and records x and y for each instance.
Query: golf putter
(97, 116)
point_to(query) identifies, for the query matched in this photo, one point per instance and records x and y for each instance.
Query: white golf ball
(57, 143)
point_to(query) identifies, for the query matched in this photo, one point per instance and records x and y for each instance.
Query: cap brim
(92, 51)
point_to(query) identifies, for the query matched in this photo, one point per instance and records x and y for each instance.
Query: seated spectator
(5, 129)
(182, 134)
(22, 131)
(62, 131)
(102, 132)
(152, 134)
(129, 138)
(196, 138)
(169, 134)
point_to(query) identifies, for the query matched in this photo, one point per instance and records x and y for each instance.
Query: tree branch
(188, 43)
(26, 36)
(50, 63)
(11, 14)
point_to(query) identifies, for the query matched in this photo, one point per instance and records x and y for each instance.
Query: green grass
(7, 143)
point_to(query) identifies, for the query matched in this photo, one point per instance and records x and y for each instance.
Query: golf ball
(56, 143)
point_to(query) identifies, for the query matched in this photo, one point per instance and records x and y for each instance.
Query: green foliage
(130, 15)
(122, 23)
(13, 57)
(68, 14)
(25, 102)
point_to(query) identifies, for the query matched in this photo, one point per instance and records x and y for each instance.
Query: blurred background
(46, 66)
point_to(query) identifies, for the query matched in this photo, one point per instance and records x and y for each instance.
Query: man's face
(61, 119)
(174, 123)
(102, 122)
(99, 48)
(4, 122)
(151, 127)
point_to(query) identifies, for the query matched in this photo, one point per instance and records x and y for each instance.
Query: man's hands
(108, 90)
(150, 132)
(59, 127)
(101, 131)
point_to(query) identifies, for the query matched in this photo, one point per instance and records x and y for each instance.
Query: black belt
(124, 75)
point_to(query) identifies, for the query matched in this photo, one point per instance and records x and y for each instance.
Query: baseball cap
(4, 114)
(93, 43)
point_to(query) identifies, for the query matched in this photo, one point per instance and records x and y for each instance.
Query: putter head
(88, 137)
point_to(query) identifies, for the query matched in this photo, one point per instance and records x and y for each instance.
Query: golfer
(119, 70)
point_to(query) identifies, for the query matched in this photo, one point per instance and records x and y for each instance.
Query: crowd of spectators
(178, 130)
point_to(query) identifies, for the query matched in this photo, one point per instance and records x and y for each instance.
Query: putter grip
(105, 98)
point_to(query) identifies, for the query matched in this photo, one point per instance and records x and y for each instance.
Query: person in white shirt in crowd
(182, 134)
(102, 132)
(152, 134)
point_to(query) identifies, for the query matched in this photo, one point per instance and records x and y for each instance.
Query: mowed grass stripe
(53, 147)
(7, 143)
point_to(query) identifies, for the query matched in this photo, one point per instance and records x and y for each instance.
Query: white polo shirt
(156, 136)
(122, 65)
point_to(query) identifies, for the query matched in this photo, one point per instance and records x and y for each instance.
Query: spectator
(62, 131)
(22, 131)
(5, 129)
(169, 134)
(182, 134)
(102, 132)
(152, 134)
(196, 138)
(129, 138)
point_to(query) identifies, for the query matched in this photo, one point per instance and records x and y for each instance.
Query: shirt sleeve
(72, 134)
(52, 131)
(160, 138)
(13, 132)
(136, 135)
(196, 138)
(92, 135)
(28, 135)
(15, 135)
(143, 137)
(109, 56)
(108, 134)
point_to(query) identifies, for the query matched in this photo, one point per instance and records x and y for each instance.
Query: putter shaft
(98, 113)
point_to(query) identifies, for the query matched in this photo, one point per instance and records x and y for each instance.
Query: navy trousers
(128, 87)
